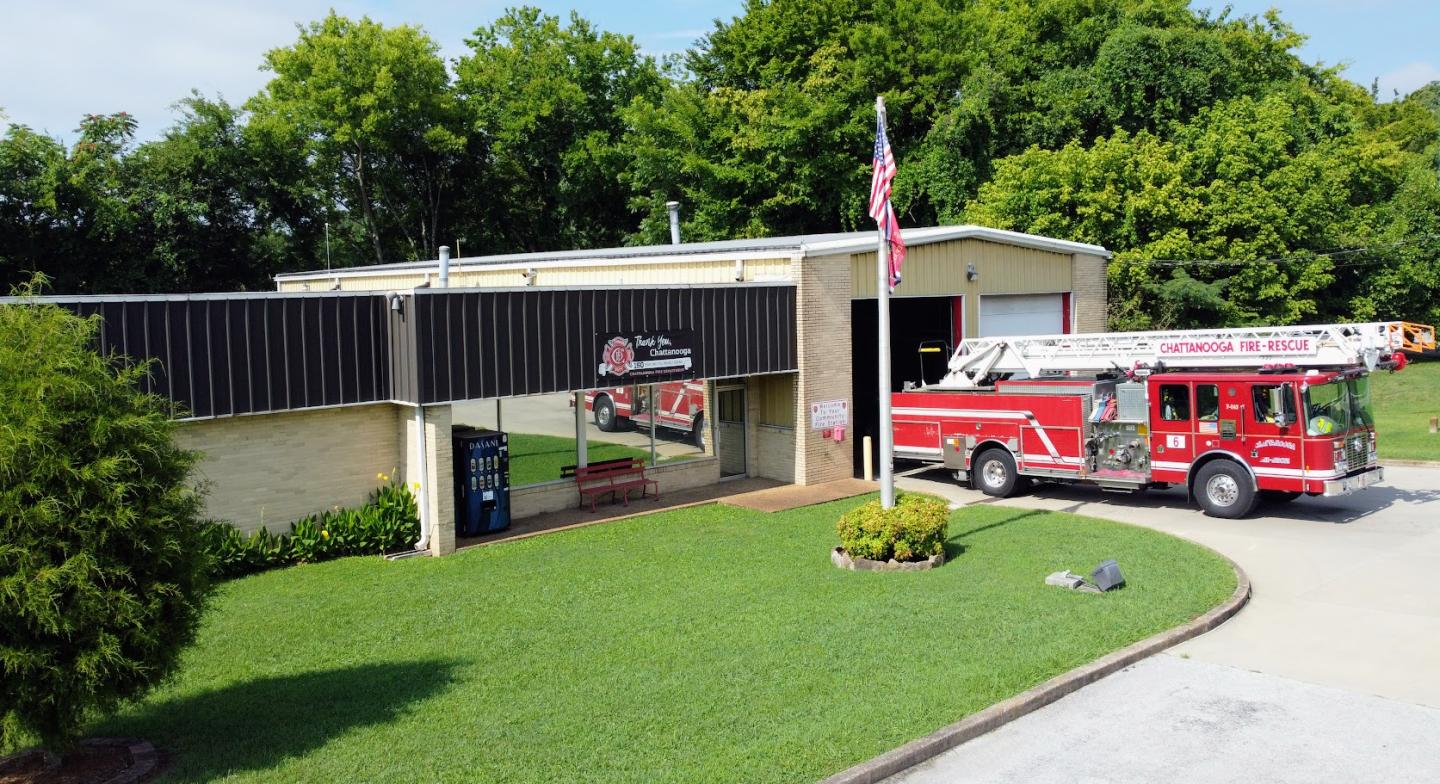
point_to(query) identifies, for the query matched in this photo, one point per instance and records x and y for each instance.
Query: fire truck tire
(605, 417)
(995, 474)
(1279, 496)
(1223, 489)
(697, 431)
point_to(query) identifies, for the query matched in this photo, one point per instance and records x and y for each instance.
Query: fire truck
(680, 405)
(1236, 416)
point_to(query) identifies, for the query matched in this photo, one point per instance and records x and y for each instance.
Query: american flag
(880, 208)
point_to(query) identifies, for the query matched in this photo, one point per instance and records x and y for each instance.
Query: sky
(61, 59)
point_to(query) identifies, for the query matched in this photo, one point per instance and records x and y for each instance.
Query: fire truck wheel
(1279, 496)
(1223, 489)
(605, 418)
(995, 474)
(697, 432)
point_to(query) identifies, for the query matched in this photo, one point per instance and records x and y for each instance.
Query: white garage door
(1022, 314)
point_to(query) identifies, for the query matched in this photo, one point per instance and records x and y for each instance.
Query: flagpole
(882, 294)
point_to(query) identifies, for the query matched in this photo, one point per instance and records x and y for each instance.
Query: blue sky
(60, 59)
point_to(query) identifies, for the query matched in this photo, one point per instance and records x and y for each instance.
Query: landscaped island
(702, 644)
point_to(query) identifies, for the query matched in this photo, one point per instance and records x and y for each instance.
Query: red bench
(615, 477)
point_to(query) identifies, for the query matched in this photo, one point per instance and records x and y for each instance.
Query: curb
(1412, 463)
(1002, 713)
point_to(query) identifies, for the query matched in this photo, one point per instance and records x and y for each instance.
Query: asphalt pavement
(1344, 621)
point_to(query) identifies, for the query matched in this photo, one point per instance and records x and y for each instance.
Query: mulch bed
(95, 761)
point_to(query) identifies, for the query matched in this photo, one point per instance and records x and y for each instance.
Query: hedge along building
(959, 281)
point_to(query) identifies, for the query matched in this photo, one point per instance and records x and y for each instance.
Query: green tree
(103, 575)
(373, 109)
(543, 106)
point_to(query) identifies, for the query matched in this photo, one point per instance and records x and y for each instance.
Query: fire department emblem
(617, 356)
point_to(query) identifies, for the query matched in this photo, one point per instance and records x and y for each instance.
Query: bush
(913, 530)
(389, 522)
(103, 569)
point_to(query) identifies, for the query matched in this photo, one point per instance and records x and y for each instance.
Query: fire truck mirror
(1279, 408)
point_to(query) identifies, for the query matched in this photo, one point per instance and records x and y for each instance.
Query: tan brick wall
(1091, 294)
(822, 316)
(272, 469)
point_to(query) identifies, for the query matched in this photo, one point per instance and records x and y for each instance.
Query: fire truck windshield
(1330, 408)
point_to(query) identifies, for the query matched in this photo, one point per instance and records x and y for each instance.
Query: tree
(543, 107)
(372, 107)
(103, 574)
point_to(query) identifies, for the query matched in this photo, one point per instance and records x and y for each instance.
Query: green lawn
(696, 645)
(1404, 403)
(535, 458)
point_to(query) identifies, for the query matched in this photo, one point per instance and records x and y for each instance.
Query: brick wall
(822, 318)
(272, 469)
(1090, 293)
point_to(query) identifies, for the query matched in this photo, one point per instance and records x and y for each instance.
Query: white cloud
(63, 59)
(1407, 79)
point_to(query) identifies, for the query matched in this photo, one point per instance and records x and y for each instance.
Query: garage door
(1022, 314)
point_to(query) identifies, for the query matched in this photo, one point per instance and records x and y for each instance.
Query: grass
(700, 645)
(1404, 403)
(536, 458)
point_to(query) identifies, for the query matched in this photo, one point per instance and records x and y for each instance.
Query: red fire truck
(680, 406)
(1234, 415)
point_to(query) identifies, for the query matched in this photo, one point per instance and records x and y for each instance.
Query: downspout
(444, 267)
(674, 208)
(422, 499)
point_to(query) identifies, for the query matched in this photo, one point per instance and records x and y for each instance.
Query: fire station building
(710, 360)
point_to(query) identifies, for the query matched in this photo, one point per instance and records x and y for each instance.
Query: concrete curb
(1412, 463)
(1002, 713)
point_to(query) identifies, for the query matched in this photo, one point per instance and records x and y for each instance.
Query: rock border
(1006, 711)
(841, 559)
(144, 758)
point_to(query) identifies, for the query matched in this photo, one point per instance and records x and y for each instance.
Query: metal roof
(798, 245)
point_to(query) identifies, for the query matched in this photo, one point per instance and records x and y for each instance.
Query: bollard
(869, 459)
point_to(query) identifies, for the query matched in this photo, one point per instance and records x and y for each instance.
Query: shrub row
(913, 530)
(388, 523)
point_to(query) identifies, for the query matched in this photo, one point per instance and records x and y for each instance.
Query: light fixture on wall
(530, 276)
(971, 274)
(397, 303)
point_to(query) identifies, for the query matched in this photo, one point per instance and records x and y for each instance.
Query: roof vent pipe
(674, 208)
(444, 267)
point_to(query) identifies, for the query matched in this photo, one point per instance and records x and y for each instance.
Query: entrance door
(730, 430)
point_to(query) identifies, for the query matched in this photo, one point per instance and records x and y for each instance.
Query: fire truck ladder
(977, 361)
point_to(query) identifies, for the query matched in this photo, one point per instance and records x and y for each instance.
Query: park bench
(615, 477)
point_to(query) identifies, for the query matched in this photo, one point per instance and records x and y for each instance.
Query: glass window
(1175, 402)
(1207, 402)
(1260, 402)
(1360, 413)
(777, 400)
(1327, 409)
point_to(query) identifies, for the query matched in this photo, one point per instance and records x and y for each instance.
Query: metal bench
(615, 477)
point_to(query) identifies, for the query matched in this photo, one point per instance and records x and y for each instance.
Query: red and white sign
(826, 414)
(1239, 347)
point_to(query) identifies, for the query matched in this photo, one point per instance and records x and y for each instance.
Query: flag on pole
(880, 208)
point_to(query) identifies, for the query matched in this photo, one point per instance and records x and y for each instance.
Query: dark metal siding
(220, 356)
(498, 343)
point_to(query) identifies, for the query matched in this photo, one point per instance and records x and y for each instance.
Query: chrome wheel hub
(994, 473)
(1222, 490)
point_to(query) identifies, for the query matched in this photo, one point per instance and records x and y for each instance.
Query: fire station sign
(645, 357)
(1191, 348)
(825, 414)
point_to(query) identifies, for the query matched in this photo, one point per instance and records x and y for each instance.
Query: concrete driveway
(1346, 598)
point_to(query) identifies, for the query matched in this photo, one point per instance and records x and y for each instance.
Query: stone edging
(843, 560)
(143, 759)
(1002, 713)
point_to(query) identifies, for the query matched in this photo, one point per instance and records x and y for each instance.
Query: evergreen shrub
(915, 529)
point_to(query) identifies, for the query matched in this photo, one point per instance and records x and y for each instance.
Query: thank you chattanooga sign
(1239, 347)
(645, 357)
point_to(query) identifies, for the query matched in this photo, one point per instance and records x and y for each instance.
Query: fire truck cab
(1233, 430)
(679, 405)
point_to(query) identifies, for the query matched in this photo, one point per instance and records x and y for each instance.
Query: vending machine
(482, 481)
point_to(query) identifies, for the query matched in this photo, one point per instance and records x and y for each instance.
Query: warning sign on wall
(829, 413)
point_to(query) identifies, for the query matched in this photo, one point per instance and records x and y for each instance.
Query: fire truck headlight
(1340, 454)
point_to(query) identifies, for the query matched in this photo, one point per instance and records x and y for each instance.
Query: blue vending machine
(482, 481)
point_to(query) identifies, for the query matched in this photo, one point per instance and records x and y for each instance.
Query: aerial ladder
(978, 362)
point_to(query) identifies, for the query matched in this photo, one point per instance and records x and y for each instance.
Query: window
(1175, 402)
(1207, 402)
(777, 400)
(730, 405)
(1260, 400)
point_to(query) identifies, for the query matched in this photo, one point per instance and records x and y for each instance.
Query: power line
(1295, 258)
